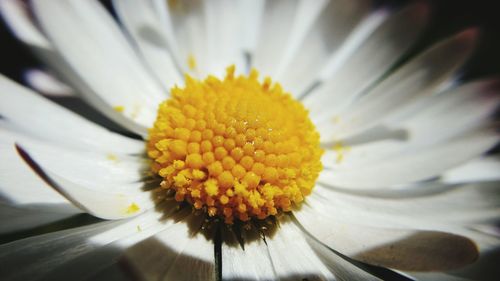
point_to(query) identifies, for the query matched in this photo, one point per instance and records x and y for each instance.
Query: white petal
(283, 27)
(79, 251)
(180, 254)
(19, 185)
(460, 210)
(16, 15)
(463, 205)
(92, 44)
(390, 247)
(30, 113)
(106, 258)
(343, 269)
(412, 165)
(406, 86)
(100, 203)
(45, 83)
(208, 35)
(482, 169)
(187, 20)
(250, 16)
(38, 255)
(376, 44)
(452, 112)
(224, 27)
(249, 263)
(144, 25)
(443, 116)
(292, 257)
(25, 217)
(330, 29)
(163, 11)
(99, 171)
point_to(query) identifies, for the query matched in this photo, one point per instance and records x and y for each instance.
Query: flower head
(237, 148)
(348, 166)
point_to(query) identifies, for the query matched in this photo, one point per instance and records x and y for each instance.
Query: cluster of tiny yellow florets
(237, 148)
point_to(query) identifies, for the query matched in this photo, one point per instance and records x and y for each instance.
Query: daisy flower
(266, 140)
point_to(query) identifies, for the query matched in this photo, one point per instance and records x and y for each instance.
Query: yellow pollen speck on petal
(133, 208)
(139, 229)
(119, 108)
(112, 157)
(238, 148)
(340, 149)
(191, 61)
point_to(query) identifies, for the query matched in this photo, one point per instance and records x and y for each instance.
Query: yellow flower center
(237, 148)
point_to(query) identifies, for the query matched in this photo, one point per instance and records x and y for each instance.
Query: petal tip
(470, 34)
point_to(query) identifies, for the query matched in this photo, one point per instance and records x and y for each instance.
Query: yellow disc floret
(237, 148)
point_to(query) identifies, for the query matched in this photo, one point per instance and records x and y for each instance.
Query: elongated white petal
(224, 45)
(84, 251)
(460, 210)
(373, 47)
(16, 218)
(19, 185)
(208, 35)
(472, 204)
(151, 258)
(452, 112)
(187, 20)
(88, 39)
(483, 169)
(416, 250)
(103, 204)
(163, 11)
(38, 255)
(45, 83)
(444, 116)
(283, 27)
(248, 262)
(100, 171)
(106, 258)
(416, 79)
(181, 254)
(297, 262)
(36, 116)
(16, 15)
(250, 18)
(343, 269)
(144, 25)
(198, 255)
(333, 25)
(413, 165)
(275, 28)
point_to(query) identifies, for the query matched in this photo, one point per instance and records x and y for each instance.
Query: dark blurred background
(448, 17)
